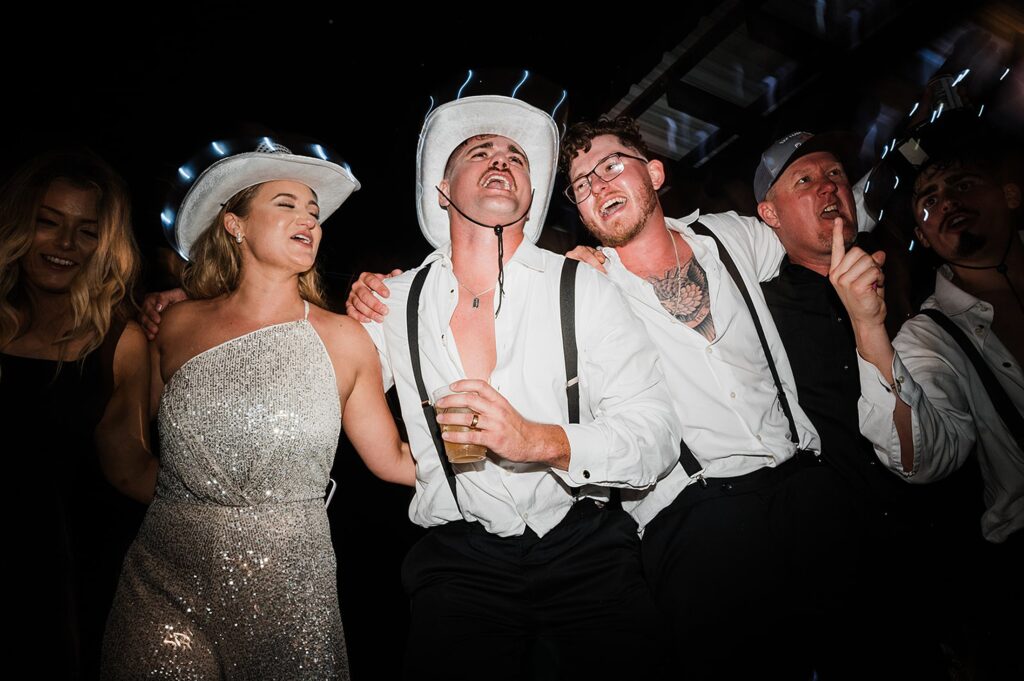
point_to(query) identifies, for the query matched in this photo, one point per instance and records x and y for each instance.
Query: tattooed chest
(683, 292)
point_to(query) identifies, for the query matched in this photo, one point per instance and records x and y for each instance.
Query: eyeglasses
(608, 168)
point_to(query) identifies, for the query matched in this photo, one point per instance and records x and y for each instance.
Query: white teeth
(831, 209)
(303, 238)
(58, 261)
(501, 179)
(610, 203)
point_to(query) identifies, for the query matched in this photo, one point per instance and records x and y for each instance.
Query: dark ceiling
(712, 84)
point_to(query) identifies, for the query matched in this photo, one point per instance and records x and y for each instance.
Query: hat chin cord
(498, 232)
(1000, 267)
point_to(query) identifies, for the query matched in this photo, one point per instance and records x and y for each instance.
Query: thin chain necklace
(675, 251)
(476, 296)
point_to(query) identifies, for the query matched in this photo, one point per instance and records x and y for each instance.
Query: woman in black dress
(74, 381)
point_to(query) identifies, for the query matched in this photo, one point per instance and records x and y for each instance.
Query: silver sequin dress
(232, 575)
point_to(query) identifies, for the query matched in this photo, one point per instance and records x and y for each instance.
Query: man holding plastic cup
(527, 570)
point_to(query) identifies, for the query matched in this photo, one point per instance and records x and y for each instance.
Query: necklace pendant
(476, 302)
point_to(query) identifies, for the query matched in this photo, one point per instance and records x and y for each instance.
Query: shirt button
(586, 474)
(758, 436)
(526, 516)
(732, 395)
(708, 350)
(846, 367)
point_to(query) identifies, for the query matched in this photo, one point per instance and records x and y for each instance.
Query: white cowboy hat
(450, 124)
(331, 182)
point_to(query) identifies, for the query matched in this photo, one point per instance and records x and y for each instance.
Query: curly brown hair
(579, 136)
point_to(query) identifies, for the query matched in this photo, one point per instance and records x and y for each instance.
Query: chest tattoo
(683, 292)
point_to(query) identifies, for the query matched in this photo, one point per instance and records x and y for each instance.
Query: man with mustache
(950, 383)
(526, 571)
(747, 524)
(894, 521)
(923, 405)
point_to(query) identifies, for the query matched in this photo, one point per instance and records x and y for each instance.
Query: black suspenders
(686, 458)
(567, 309)
(1000, 400)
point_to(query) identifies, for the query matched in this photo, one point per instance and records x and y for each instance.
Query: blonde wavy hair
(104, 286)
(215, 261)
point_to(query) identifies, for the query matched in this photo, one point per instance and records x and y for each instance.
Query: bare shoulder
(132, 341)
(184, 318)
(183, 314)
(342, 334)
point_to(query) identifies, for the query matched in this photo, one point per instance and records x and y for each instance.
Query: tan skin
(947, 204)
(624, 212)
(802, 205)
(961, 199)
(500, 427)
(65, 240)
(490, 179)
(268, 294)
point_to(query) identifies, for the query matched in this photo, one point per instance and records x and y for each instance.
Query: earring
(238, 237)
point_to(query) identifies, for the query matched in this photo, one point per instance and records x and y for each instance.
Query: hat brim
(842, 145)
(331, 183)
(450, 124)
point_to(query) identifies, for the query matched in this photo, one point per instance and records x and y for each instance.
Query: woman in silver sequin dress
(233, 574)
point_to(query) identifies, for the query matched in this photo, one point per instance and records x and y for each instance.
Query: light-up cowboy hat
(519, 106)
(224, 168)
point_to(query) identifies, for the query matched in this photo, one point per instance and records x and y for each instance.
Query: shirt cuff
(876, 390)
(882, 396)
(588, 460)
(873, 386)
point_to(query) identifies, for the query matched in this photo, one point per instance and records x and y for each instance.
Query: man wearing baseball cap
(747, 524)
(740, 536)
(526, 570)
(804, 192)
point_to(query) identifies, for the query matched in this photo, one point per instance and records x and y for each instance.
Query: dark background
(147, 91)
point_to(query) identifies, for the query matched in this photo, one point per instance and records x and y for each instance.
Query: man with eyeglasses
(749, 528)
(743, 539)
(526, 571)
(737, 444)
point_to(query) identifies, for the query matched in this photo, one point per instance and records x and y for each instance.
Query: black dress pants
(571, 604)
(752, 573)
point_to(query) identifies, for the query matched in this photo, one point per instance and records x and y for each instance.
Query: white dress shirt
(627, 436)
(723, 394)
(951, 409)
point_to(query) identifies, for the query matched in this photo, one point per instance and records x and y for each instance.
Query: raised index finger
(838, 243)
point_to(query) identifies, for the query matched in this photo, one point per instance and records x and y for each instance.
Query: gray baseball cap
(783, 152)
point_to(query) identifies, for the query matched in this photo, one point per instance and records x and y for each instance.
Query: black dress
(71, 528)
